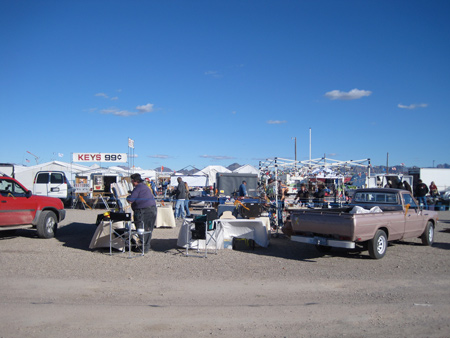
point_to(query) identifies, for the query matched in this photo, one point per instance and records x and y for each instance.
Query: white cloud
(146, 108)
(117, 112)
(102, 95)
(351, 95)
(213, 73)
(276, 122)
(159, 156)
(413, 106)
(90, 110)
(114, 98)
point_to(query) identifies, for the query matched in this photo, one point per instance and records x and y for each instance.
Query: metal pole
(295, 151)
(310, 147)
(387, 163)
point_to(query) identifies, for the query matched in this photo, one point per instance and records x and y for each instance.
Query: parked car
(53, 184)
(19, 208)
(394, 214)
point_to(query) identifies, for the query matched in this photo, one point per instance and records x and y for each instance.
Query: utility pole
(295, 150)
(310, 147)
(387, 163)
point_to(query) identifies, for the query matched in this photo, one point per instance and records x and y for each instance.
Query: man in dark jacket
(421, 192)
(302, 195)
(144, 207)
(180, 196)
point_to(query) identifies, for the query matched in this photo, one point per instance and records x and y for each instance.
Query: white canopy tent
(211, 171)
(246, 169)
(191, 180)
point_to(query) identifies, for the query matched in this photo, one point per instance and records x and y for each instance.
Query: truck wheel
(377, 246)
(428, 235)
(46, 227)
(323, 248)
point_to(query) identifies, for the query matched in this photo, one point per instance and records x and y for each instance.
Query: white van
(53, 184)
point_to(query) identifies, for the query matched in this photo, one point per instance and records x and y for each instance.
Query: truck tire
(377, 246)
(428, 235)
(47, 225)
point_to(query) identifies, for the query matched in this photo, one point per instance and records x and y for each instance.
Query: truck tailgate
(334, 223)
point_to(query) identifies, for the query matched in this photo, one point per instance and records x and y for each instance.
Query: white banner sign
(100, 157)
(82, 188)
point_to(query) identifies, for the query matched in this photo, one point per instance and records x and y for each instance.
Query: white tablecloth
(255, 229)
(165, 218)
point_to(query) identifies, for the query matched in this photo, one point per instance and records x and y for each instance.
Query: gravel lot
(60, 288)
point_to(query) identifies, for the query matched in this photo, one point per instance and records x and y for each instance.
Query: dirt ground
(60, 288)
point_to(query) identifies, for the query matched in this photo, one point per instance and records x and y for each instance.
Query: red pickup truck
(19, 208)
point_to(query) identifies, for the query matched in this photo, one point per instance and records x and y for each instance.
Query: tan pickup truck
(376, 216)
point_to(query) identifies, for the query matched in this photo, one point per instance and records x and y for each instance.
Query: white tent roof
(324, 173)
(211, 172)
(247, 169)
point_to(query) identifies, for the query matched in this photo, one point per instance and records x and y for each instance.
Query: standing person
(153, 185)
(144, 207)
(180, 196)
(186, 201)
(319, 195)
(421, 192)
(407, 186)
(243, 189)
(434, 190)
(302, 195)
(164, 186)
(270, 191)
(282, 191)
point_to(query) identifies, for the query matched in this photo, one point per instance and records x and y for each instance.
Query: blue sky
(217, 82)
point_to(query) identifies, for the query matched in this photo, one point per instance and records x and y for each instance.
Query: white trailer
(380, 180)
(440, 176)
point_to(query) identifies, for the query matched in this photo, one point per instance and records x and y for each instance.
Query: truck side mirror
(28, 194)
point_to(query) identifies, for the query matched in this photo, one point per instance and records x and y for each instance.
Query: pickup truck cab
(19, 208)
(376, 216)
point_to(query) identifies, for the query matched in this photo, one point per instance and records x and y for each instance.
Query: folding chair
(119, 233)
(204, 230)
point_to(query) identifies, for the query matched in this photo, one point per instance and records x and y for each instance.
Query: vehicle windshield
(407, 198)
(375, 197)
(8, 187)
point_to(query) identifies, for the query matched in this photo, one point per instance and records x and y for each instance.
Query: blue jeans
(179, 209)
(186, 207)
(145, 218)
(280, 213)
(423, 200)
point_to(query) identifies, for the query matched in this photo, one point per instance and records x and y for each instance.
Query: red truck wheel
(377, 245)
(47, 225)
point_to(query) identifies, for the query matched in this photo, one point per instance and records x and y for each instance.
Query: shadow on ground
(76, 235)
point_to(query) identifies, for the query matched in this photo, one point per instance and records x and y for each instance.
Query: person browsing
(144, 206)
